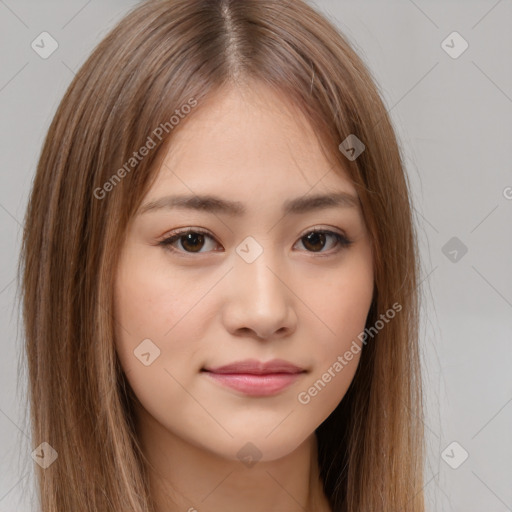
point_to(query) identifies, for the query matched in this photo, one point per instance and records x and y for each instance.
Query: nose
(261, 302)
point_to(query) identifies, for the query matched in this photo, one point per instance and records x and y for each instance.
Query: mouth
(255, 378)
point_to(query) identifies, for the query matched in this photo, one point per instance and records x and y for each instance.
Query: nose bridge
(256, 276)
(260, 300)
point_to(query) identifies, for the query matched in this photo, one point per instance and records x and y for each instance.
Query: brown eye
(191, 241)
(315, 241)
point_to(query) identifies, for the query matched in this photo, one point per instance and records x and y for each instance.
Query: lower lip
(256, 385)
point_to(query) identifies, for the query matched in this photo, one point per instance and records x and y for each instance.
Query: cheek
(157, 340)
(343, 300)
(149, 303)
(151, 316)
(342, 305)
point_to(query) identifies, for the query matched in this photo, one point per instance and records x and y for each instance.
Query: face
(260, 273)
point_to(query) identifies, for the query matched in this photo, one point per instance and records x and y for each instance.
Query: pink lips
(256, 378)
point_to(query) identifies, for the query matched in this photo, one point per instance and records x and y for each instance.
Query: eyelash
(342, 241)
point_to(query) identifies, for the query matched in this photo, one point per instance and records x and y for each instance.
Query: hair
(162, 55)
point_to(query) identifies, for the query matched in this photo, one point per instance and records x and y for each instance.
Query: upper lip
(253, 366)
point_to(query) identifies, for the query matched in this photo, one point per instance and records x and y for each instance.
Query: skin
(301, 301)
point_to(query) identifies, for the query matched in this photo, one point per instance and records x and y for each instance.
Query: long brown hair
(163, 55)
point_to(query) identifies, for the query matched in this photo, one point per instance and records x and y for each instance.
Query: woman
(220, 273)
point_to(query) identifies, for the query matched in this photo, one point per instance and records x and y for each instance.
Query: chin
(261, 447)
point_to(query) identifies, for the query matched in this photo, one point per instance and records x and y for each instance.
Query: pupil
(316, 241)
(192, 237)
(314, 237)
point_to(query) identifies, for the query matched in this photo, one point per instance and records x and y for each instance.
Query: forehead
(249, 142)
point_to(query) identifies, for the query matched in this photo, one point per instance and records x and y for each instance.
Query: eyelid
(174, 235)
(343, 242)
(181, 231)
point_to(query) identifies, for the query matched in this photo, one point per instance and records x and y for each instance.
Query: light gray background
(453, 117)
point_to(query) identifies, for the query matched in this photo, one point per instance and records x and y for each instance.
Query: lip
(255, 367)
(256, 378)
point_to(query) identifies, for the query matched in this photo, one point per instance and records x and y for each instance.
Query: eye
(193, 240)
(316, 239)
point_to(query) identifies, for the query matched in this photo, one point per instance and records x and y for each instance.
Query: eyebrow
(214, 204)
